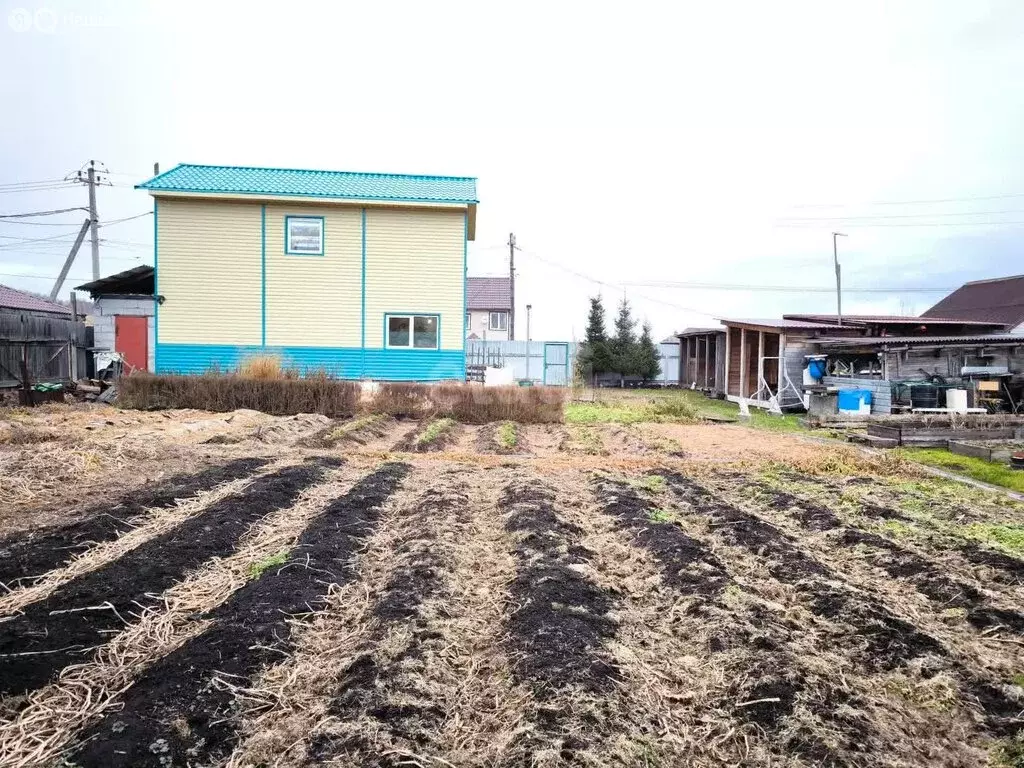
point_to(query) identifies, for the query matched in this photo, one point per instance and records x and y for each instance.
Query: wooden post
(781, 381)
(26, 385)
(707, 352)
(743, 372)
(728, 351)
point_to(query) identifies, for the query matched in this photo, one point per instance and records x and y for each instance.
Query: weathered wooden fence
(54, 348)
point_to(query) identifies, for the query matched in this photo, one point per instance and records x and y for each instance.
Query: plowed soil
(659, 595)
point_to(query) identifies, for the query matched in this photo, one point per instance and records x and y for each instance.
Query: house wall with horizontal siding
(415, 263)
(210, 271)
(231, 291)
(315, 300)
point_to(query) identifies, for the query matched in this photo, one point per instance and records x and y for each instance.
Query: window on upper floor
(412, 331)
(469, 320)
(304, 235)
(498, 321)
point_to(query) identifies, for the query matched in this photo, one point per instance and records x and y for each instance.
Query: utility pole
(69, 260)
(839, 281)
(95, 229)
(512, 286)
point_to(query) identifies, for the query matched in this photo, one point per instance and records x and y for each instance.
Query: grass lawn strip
(26, 556)
(184, 702)
(35, 731)
(991, 472)
(67, 625)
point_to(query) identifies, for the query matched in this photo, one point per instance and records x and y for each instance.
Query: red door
(131, 339)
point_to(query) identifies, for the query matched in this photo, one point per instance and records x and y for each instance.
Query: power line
(829, 223)
(39, 213)
(933, 201)
(773, 288)
(46, 188)
(900, 215)
(26, 240)
(608, 284)
(126, 218)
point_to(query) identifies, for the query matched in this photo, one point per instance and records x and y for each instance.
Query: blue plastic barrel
(816, 368)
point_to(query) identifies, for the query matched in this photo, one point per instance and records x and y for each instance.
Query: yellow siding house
(359, 274)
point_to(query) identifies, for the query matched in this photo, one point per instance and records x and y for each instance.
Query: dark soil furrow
(761, 693)
(899, 562)
(26, 556)
(888, 641)
(686, 564)
(1005, 569)
(559, 625)
(883, 641)
(179, 712)
(82, 614)
(386, 686)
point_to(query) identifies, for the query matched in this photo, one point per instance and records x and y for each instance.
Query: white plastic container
(956, 400)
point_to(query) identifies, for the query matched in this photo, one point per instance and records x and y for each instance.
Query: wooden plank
(883, 431)
(969, 449)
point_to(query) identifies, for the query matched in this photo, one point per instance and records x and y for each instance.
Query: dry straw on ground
(149, 524)
(52, 716)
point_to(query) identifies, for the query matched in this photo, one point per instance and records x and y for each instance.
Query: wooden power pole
(512, 286)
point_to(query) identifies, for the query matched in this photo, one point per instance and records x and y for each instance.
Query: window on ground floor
(498, 321)
(413, 331)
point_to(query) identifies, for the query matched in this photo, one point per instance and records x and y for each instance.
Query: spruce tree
(623, 342)
(594, 356)
(648, 360)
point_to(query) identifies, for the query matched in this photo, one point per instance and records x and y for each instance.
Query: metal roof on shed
(1000, 300)
(12, 298)
(887, 320)
(777, 323)
(878, 341)
(224, 179)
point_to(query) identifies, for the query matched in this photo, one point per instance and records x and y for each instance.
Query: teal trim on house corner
(362, 311)
(323, 236)
(156, 288)
(342, 362)
(465, 287)
(263, 275)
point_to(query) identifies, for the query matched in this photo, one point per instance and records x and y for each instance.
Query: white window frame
(411, 317)
(305, 220)
(469, 321)
(502, 326)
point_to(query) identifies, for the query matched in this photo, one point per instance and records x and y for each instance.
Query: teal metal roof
(224, 179)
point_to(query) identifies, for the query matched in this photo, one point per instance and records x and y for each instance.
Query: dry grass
(469, 680)
(47, 723)
(155, 523)
(469, 404)
(847, 461)
(263, 368)
(217, 392)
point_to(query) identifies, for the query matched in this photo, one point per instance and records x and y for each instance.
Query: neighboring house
(361, 275)
(1000, 300)
(124, 317)
(488, 306)
(42, 333)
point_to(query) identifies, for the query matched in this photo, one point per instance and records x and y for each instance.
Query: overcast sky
(716, 142)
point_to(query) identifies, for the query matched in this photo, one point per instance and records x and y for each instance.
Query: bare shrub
(402, 400)
(228, 392)
(263, 367)
(481, 405)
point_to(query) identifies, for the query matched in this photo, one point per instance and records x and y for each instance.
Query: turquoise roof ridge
(226, 179)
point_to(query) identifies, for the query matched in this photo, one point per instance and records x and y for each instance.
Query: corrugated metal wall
(515, 354)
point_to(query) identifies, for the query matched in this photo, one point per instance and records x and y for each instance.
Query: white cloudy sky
(637, 143)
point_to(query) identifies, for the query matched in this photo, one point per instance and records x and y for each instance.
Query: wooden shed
(702, 359)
